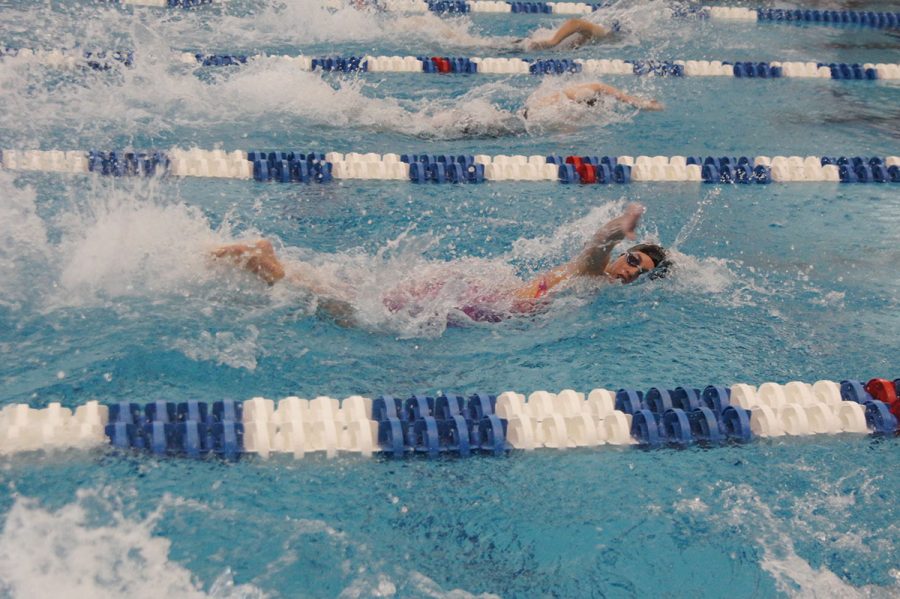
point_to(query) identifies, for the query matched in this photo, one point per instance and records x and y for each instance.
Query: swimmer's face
(629, 266)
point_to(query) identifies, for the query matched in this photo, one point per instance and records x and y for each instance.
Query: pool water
(107, 292)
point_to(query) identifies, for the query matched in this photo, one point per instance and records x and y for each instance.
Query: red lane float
(575, 161)
(886, 391)
(441, 64)
(588, 173)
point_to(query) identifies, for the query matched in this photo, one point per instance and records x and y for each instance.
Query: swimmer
(588, 94)
(545, 107)
(527, 297)
(579, 32)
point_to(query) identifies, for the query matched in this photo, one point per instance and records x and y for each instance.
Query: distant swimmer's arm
(592, 260)
(585, 92)
(586, 30)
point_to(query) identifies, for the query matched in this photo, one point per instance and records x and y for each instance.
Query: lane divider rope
(312, 167)
(457, 425)
(877, 20)
(100, 60)
(501, 65)
(170, 3)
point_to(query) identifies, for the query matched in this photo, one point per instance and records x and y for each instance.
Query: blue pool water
(106, 293)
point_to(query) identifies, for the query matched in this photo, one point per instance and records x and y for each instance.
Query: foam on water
(107, 107)
(64, 552)
(23, 242)
(95, 546)
(828, 507)
(119, 240)
(126, 246)
(159, 96)
(275, 23)
(308, 21)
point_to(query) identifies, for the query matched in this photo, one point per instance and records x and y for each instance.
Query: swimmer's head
(639, 259)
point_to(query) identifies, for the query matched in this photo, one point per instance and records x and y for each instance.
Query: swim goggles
(634, 261)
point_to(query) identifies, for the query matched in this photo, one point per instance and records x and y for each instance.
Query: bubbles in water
(159, 97)
(223, 347)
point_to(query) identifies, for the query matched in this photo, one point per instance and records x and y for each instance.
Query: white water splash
(23, 242)
(793, 575)
(415, 584)
(64, 553)
(122, 246)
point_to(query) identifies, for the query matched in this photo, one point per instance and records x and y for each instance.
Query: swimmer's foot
(258, 258)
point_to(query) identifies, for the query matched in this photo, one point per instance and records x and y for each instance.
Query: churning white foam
(794, 575)
(23, 243)
(412, 584)
(66, 553)
(122, 246)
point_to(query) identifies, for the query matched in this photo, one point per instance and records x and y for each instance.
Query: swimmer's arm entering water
(260, 259)
(585, 30)
(592, 260)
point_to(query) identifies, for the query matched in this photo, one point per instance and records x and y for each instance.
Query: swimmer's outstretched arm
(592, 260)
(584, 92)
(587, 30)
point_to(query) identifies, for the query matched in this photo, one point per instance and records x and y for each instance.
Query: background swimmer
(477, 300)
(589, 94)
(578, 32)
(574, 32)
(545, 106)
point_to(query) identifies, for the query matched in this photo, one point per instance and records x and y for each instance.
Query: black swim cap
(656, 252)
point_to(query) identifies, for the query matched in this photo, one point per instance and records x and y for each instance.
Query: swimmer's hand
(624, 226)
(258, 258)
(652, 105)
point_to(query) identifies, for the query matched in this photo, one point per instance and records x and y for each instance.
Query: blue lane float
(514, 65)
(96, 60)
(290, 167)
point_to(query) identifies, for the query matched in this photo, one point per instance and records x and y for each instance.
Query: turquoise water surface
(107, 292)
